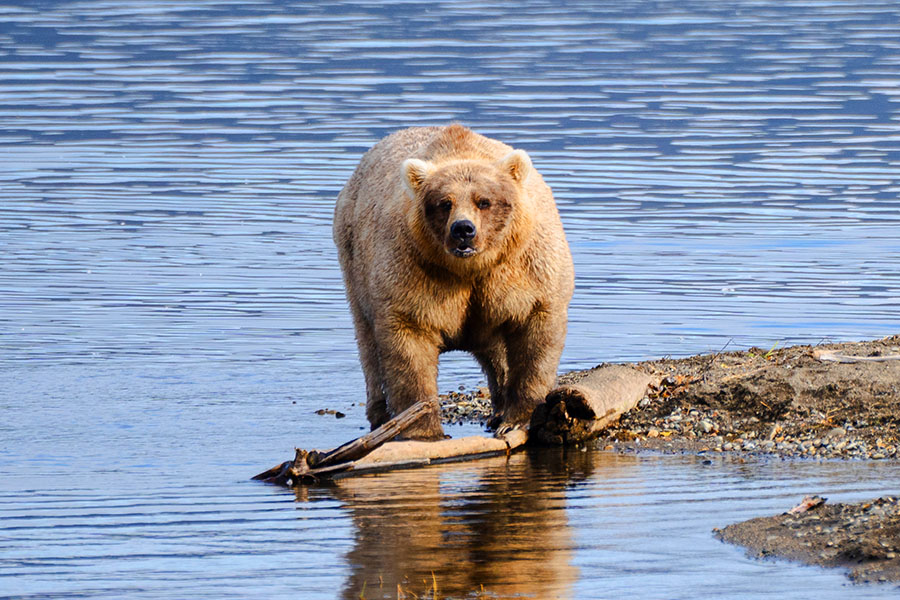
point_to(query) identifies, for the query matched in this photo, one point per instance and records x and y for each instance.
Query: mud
(863, 538)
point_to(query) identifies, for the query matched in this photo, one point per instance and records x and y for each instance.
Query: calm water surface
(171, 311)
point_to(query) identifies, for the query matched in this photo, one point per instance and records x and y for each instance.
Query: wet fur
(412, 299)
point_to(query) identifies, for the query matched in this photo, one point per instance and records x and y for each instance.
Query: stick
(830, 356)
(359, 447)
(310, 465)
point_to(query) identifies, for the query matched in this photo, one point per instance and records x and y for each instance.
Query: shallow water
(171, 311)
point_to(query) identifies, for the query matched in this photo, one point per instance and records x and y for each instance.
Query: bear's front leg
(409, 362)
(533, 352)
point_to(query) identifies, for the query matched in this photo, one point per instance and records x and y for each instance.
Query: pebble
(837, 432)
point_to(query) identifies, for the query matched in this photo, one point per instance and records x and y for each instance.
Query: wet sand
(829, 401)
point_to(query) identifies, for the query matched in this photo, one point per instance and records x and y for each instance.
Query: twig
(712, 359)
(359, 447)
(745, 374)
(308, 465)
(830, 356)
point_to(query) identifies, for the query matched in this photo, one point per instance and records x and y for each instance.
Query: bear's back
(376, 179)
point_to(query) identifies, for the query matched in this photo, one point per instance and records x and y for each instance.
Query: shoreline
(787, 402)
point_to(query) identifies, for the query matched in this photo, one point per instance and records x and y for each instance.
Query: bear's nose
(462, 230)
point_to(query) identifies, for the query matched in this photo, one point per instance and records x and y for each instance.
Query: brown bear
(449, 240)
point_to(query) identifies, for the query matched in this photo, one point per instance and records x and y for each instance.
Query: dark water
(171, 312)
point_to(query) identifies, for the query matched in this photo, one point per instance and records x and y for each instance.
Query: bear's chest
(484, 313)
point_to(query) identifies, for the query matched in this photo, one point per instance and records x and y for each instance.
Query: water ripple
(171, 308)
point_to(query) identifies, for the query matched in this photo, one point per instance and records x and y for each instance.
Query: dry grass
(430, 593)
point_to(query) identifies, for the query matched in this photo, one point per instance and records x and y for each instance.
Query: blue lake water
(171, 309)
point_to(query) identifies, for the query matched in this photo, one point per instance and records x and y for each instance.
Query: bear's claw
(505, 428)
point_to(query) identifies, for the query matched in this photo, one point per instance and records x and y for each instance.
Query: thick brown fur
(414, 296)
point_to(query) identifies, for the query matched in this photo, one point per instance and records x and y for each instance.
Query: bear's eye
(446, 205)
(484, 203)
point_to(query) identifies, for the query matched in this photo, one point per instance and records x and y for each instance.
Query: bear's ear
(414, 173)
(517, 164)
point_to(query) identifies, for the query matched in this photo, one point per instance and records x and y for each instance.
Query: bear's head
(469, 209)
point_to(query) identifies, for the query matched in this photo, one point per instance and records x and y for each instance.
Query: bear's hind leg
(493, 362)
(376, 402)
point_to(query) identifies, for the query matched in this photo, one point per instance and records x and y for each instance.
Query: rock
(836, 432)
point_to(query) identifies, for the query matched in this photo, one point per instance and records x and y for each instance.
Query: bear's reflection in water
(497, 524)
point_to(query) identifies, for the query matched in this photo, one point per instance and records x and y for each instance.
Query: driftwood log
(373, 452)
(578, 412)
(571, 414)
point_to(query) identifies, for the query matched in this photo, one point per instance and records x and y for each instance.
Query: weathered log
(571, 414)
(407, 454)
(395, 455)
(578, 412)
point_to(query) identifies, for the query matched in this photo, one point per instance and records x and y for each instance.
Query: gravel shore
(863, 538)
(787, 402)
